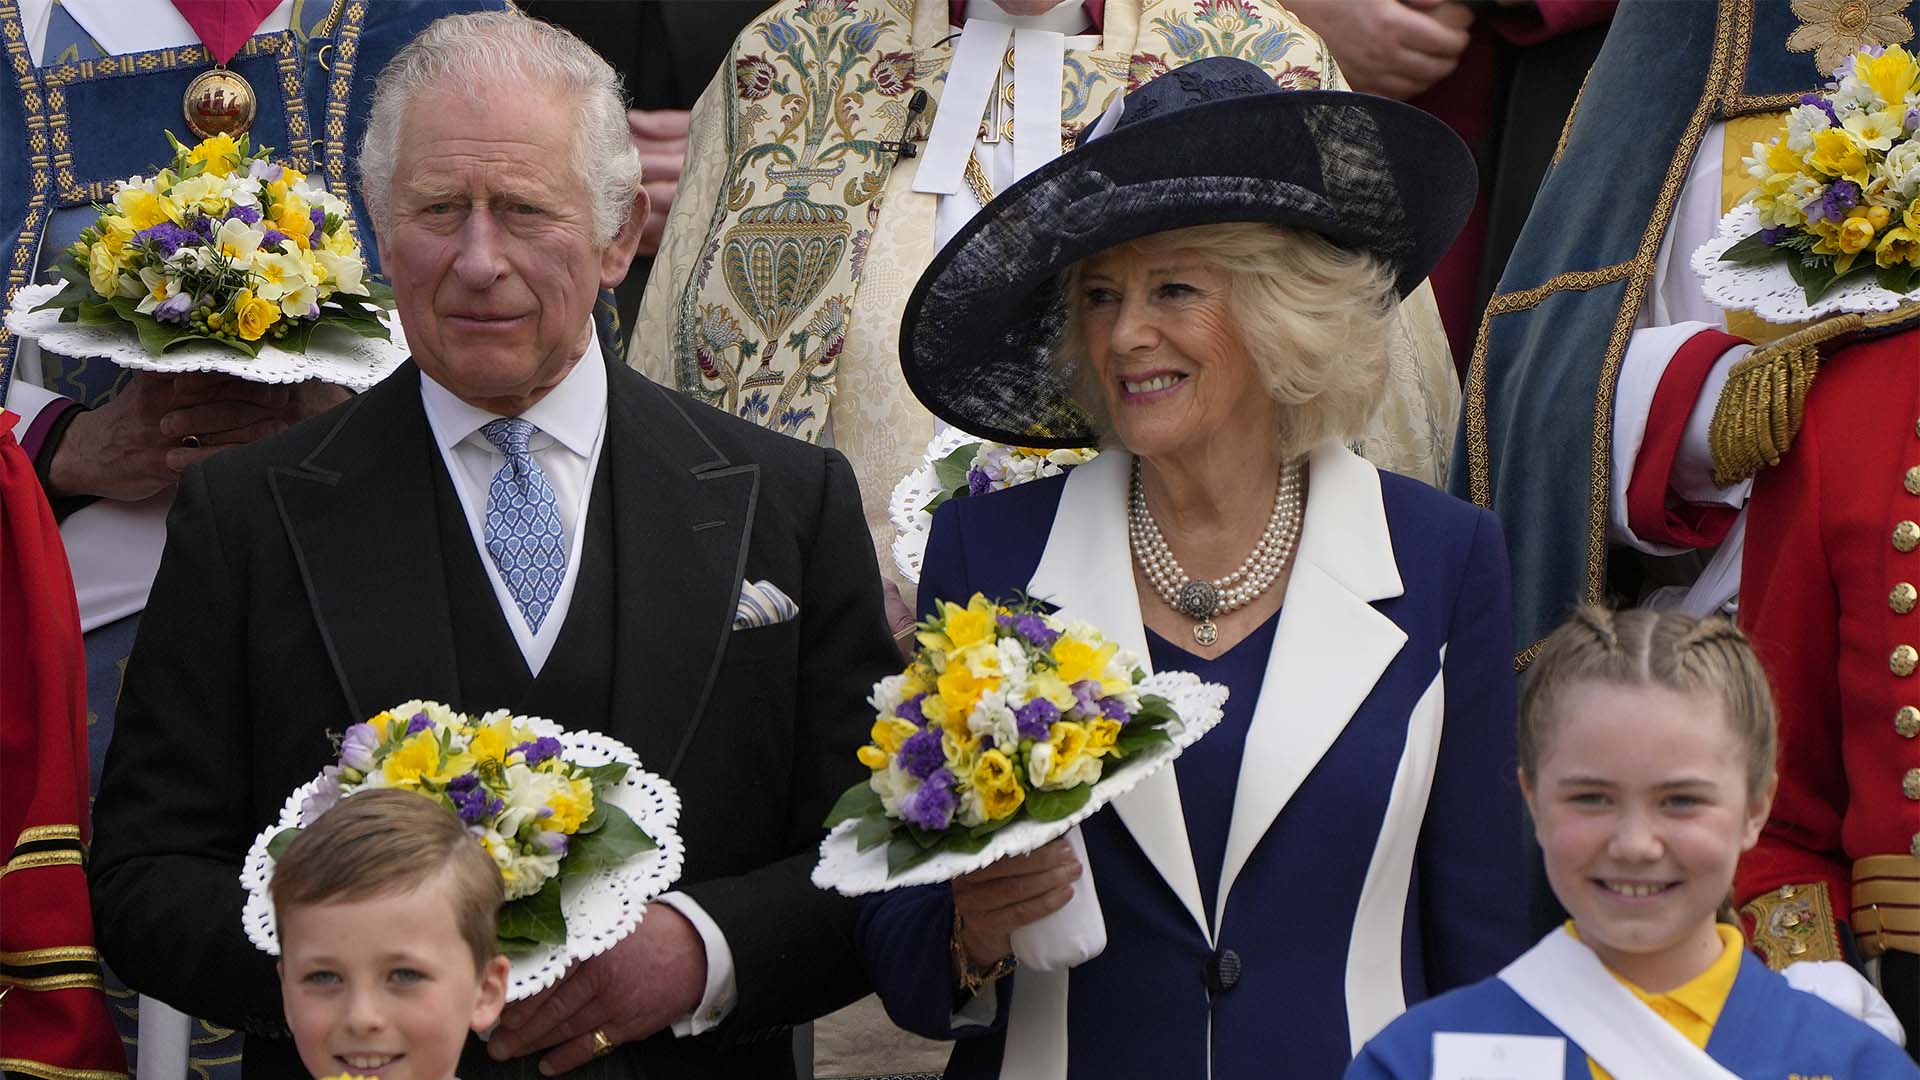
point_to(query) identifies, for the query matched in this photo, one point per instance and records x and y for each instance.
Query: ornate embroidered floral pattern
(1832, 29)
(1224, 28)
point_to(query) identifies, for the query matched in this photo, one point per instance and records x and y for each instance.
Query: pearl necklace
(1203, 600)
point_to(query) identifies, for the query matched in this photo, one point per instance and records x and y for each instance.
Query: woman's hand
(994, 902)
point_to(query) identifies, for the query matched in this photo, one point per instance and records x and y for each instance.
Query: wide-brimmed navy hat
(1211, 142)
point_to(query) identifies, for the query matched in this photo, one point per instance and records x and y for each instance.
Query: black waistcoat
(573, 687)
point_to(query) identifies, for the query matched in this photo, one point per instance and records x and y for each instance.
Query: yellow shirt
(1694, 1006)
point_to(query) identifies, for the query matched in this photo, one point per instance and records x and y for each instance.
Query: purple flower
(1086, 694)
(921, 755)
(1035, 630)
(1773, 236)
(1825, 106)
(1035, 718)
(246, 214)
(321, 801)
(1913, 119)
(419, 723)
(357, 747)
(1115, 709)
(174, 309)
(471, 801)
(319, 219)
(931, 807)
(1841, 197)
(166, 238)
(539, 749)
(313, 312)
(203, 226)
(264, 171)
(909, 711)
(272, 238)
(554, 842)
(978, 481)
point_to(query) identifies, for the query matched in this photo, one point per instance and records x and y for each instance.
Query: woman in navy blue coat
(1202, 287)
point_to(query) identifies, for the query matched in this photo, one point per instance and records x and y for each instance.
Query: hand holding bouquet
(1839, 187)
(1007, 717)
(221, 246)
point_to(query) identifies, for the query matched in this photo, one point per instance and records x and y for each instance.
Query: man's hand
(655, 976)
(1396, 48)
(661, 137)
(996, 900)
(135, 445)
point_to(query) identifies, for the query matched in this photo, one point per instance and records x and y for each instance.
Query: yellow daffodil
(1875, 131)
(290, 217)
(960, 691)
(491, 742)
(1837, 153)
(1899, 245)
(1892, 75)
(1855, 234)
(416, 758)
(340, 242)
(572, 805)
(998, 787)
(890, 731)
(1911, 219)
(103, 270)
(1102, 734)
(1075, 659)
(145, 209)
(1049, 685)
(220, 155)
(968, 625)
(872, 757)
(116, 232)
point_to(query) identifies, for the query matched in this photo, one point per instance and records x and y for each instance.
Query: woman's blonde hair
(1316, 318)
(1652, 648)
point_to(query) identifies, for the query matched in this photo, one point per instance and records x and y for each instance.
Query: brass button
(1786, 892)
(1902, 598)
(1796, 948)
(1913, 480)
(1906, 536)
(1910, 785)
(1913, 848)
(1907, 721)
(1903, 660)
(1790, 919)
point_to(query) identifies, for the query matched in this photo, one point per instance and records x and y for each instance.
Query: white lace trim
(911, 524)
(333, 355)
(1768, 290)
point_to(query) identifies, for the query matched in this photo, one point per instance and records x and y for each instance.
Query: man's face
(489, 244)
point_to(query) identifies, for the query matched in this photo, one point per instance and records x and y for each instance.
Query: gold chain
(976, 179)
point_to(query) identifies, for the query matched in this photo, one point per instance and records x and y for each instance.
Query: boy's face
(1642, 810)
(386, 986)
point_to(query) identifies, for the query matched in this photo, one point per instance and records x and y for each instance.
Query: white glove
(1839, 985)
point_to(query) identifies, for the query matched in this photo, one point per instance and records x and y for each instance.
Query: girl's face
(1642, 809)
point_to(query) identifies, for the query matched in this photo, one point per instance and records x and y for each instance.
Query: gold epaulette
(1793, 923)
(1761, 408)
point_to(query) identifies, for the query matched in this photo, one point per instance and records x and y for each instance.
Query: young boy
(387, 910)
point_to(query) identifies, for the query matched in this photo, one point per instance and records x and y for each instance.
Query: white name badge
(1460, 1056)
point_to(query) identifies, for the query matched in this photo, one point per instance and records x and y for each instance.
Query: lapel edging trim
(752, 472)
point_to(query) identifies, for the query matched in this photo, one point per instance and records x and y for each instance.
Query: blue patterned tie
(523, 531)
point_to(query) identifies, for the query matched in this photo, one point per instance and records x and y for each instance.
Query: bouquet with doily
(1839, 187)
(1005, 718)
(957, 464)
(582, 836)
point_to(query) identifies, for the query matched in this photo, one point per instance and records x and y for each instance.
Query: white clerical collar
(571, 412)
(120, 27)
(1063, 18)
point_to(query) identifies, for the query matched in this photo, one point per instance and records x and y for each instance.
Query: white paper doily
(910, 523)
(1768, 289)
(333, 355)
(851, 872)
(601, 908)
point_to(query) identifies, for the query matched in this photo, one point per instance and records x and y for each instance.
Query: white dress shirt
(572, 419)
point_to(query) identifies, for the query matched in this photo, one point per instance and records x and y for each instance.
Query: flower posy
(1004, 712)
(976, 468)
(223, 246)
(541, 817)
(1839, 187)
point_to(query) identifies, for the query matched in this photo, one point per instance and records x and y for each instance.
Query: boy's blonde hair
(386, 842)
(1652, 648)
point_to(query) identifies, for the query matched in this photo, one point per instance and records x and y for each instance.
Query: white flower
(887, 695)
(892, 784)
(990, 716)
(1039, 760)
(284, 277)
(342, 272)
(237, 240)
(201, 192)
(1013, 669)
(1876, 130)
(527, 795)
(441, 716)
(1803, 122)
(239, 190)
(160, 288)
(1903, 168)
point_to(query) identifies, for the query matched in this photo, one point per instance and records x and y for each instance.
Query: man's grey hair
(506, 52)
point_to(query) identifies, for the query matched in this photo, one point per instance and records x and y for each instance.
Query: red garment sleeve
(56, 1015)
(1654, 512)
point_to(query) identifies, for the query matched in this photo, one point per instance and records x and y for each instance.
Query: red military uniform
(1828, 595)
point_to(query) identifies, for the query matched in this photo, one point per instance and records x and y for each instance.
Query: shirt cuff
(979, 1010)
(722, 992)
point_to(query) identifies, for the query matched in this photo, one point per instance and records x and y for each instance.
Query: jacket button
(1906, 535)
(1903, 597)
(1907, 721)
(1223, 972)
(1912, 480)
(1910, 784)
(1903, 661)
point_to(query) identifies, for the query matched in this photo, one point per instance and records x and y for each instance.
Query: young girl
(1647, 760)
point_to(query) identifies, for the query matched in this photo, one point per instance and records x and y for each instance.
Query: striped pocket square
(762, 604)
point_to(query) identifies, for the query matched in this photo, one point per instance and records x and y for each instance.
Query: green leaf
(1155, 710)
(379, 293)
(1053, 805)
(966, 844)
(535, 918)
(277, 846)
(512, 947)
(1137, 737)
(858, 801)
(603, 776)
(1814, 274)
(1898, 279)
(96, 313)
(905, 853)
(1751, 251)
(951, 471)
(873, 830)
(616, 840)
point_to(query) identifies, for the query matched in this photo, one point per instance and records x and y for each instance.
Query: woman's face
(1162, 341)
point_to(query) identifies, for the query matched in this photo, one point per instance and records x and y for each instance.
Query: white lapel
(1087, 571)
(1328, 651)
